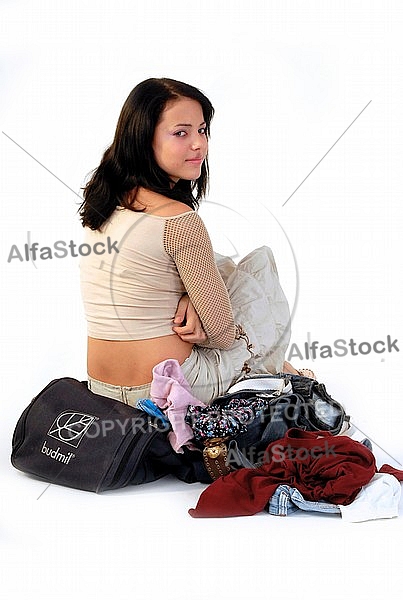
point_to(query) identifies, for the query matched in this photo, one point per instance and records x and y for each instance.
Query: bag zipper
(125, 463)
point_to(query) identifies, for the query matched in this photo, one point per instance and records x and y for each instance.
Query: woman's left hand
(187, 323)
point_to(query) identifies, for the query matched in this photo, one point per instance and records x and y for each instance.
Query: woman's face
(180, 140)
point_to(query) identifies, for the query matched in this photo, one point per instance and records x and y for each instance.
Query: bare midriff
(130, 363)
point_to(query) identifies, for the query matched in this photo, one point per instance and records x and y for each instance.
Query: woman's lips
(195, 161)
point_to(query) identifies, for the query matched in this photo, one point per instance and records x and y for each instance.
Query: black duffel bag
(70, 436)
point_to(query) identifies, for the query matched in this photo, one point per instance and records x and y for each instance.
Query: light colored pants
(209, 373)
(123, 393)
(262, 316)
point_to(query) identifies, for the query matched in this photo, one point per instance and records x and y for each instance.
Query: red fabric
(321, 466)
(392, 471)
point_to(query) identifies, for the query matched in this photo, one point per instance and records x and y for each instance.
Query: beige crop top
(137, 269)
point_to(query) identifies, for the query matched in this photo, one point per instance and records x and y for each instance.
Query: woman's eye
(202, 131)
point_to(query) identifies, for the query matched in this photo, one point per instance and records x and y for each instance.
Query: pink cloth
(172, 393)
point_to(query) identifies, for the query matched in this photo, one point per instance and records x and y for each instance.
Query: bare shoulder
(171, 208)
(156, 204)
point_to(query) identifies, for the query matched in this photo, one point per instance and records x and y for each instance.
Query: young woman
(152, 287)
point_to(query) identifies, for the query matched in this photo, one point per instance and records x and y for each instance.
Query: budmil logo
(70, 427)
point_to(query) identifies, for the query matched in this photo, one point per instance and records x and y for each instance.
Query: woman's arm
(187, 324)
(187, 241)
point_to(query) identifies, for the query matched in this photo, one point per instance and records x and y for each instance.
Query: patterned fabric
(186, 240)
(216, 421)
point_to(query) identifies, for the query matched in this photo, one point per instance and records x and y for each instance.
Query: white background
(287, 79)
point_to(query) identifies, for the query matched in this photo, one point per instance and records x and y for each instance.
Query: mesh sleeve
(186, 240)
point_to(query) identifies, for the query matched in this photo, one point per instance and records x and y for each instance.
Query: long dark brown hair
(129, 161)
